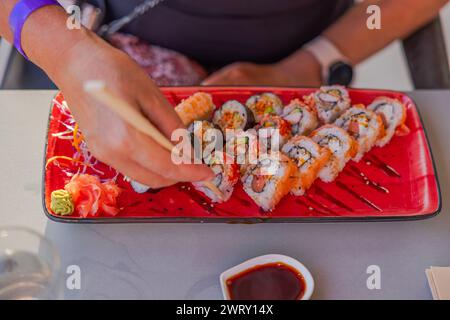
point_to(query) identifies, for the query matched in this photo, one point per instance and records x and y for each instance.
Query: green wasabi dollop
(61, 202)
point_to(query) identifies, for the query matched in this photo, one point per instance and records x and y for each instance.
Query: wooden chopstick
(99, 91)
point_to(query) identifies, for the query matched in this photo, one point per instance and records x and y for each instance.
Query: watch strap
(326, 54)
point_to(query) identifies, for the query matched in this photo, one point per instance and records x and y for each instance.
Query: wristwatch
(336, 69)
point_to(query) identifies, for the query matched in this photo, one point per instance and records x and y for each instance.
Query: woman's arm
(43, 30)
(71, 57)
(399, 18)
(350, 34)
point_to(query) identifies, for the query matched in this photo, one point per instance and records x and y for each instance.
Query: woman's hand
(111, 139)
(301, 69)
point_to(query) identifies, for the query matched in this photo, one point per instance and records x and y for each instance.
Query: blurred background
(420, 62)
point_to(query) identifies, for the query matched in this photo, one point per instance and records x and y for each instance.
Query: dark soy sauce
(358, 196)
(361, 175)
(272, 281)
(203, 202)
(377, 162)
(333, 199)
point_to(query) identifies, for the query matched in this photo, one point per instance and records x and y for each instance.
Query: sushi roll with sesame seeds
(309, 158)
(364, 125)
(226, 176)
(233, 115)
(341, 145)
(303, 118)
(199, 106)
(263, 104)
(274, 130)
(330, 102)
(393, 115)
(268, 181)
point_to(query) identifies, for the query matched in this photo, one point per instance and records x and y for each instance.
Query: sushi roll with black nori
(268, 181)
(342, 146)
(263, 104)
(203, 133)
(303, 118)
(227, 175)
(233, 115)
(393, 115)
(271, 125)
(363, 125)
(330, 102)
(309, 158)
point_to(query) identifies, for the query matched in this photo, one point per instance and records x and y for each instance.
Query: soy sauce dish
(268, 277)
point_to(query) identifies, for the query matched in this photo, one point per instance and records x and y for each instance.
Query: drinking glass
(29, 266)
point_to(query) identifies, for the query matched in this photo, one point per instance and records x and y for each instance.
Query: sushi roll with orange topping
(263, 104)
(244, 146)
(330, 102)
(268, 181)
(226, 176)
(393, 115)
(341, 145)
(309, 158)
(199, 106)
(233, 115)
(303, 118)
(269, 127)
(364, 125)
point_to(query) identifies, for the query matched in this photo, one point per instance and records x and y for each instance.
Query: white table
(170, 261)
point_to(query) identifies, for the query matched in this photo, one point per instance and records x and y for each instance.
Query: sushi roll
(303, 119)
(341, 145)
(206, 135)
(244, 146)
(263, 104)
(393, 115)
(268, 181)
(363, 125)
(199, 106)
(226, 176)
(269, 127)
(330, 102)
(309, 158)
(233, 115)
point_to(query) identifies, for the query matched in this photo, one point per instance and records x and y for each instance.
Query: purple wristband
(20, 14)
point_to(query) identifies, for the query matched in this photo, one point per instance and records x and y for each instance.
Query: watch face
(340, 73)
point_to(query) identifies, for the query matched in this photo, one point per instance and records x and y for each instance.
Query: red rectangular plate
(413, 194)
